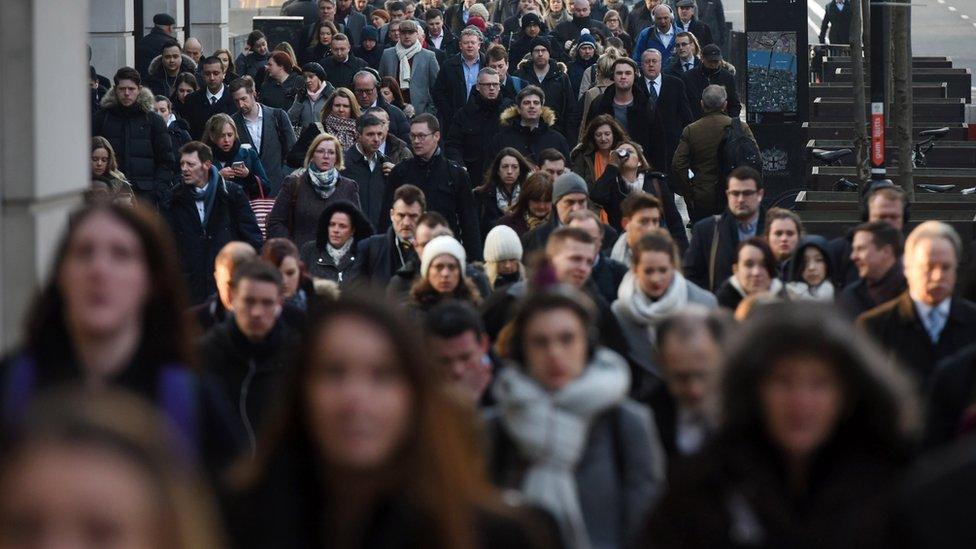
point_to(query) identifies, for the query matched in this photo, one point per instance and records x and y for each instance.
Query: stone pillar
(209, 23)
(110, 26)
(172, 7)
(44, 140)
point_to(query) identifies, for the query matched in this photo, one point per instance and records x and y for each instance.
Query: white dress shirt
(201, 207)
(211, 96)
(255, 128)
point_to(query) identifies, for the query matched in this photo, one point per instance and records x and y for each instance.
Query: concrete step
(959, 81)
(921, 90)
(945, 154)
(848, 201)
(822, 178)
(835, 109)
(841, 130)
(834, 63)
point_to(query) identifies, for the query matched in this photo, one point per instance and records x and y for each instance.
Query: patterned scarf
(324, 183)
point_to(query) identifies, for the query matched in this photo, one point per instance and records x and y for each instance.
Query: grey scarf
(324, 183)
(338, 253)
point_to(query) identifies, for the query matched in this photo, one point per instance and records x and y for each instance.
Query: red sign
(877, 134)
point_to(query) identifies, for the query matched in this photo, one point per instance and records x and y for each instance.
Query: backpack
(738, 148)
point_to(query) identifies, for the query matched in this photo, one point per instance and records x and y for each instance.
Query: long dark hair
(166, 335)
(438, 471)
(390, 82)
(588, 141)
(491, 179)
(538, 186)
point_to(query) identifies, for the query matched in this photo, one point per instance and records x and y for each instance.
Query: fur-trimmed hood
(510, 116)
(145, 101)
(156, 65)
(555, 67)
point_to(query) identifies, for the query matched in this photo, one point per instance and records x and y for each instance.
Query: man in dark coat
(640, 17)
(440, 39)
(352, 21)
(366, 86)
(247, 352)
(875, 252)
(569, 194)
(709, 258)
(527, 127)
(368, 167)
(457, 77)
(138, 135)
(708, 72)
(307, 9)
(342, 66)
(670, 98)
(382, 254)
(926, 323)
(475, 125)
(570, 31)
(552, 78)
(837, 18)
(151, 45)
(445, 183)
(267, 129)
(209, 100)
(206, 213)
(166, 67)
(687, 22)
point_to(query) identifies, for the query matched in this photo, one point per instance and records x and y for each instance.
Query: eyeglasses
(420, 136)
(489, 84)
(742, 194)
(364, 91)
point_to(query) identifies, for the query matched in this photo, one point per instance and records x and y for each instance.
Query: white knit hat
(442, 245)
(502, 243)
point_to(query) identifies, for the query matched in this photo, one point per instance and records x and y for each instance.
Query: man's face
(641, 222)
(532, 30)
(573, 261)
(396, 15)
(690, 367)
(340, 50)
(365, 90)
(712, 64)
(890, 210)
(194, 171)
(422, 140)
(586, 51)
(361, 5)
(424, 234)
(246, 102)
(469, 47)
(340, 229)
(501, 66)
(194, 49)
(127, 91)
(410, 12)
(930, 270)
(651, 64)
(686, 13)
(530, 108)
(213, 76)
(172, 59)
(488, 86)
(435, 26)
(591, 227)
(327, 11)
(344, 5)
(743, 198)
(404, 217)
(662, 19)
(408, 37)
(555, 168)
(569, 204)
(871, 261)
(540, 56)
(685, 48)
(623, 76)
(462, 358)
(257, 305)
(581, 10)
(525, 6)
(371, 139)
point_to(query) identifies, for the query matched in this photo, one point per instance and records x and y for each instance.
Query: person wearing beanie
(583, 56)
(543, 70)
(368, 49)
(503, 257)
(307, 107)
(442, 276)
(568, 32)
(569, 194)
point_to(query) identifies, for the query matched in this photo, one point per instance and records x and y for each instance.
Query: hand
(568, 45)
(242, 172)
(615, 160)
(475, 380)
(228, 173)
(387, 168)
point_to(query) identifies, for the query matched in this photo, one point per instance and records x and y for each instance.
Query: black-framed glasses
(489, 84)
(420, 136)
(742, 194)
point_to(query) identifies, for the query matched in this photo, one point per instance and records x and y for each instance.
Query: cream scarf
(405, 55)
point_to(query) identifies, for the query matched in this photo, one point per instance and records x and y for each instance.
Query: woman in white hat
(442, 276)
(503, 257)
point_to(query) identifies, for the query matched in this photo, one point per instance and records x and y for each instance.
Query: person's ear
(624, 222)
(484, 343)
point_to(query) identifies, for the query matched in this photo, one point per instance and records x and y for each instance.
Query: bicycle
(925, 145)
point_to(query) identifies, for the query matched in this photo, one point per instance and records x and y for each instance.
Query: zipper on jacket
(242, 406)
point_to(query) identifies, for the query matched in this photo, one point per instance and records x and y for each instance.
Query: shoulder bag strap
(713, 254)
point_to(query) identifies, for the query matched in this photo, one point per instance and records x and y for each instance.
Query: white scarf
(644, 311)
(551, 431)
(405, 55)
(774, 288)
(635, 185)
(338, 253)
(801, 291)
(621, 251)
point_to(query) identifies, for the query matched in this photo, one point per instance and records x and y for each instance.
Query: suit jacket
(450, 92)
(197, 110)
(701, 31)
(277, 138)
(375, 258)
(355, 22)
(672, 103)
(697, 260)
(839, 23)
(423, 74)
(676, 68)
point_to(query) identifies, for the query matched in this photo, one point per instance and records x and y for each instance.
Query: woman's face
(613, 24)
(378, 22)
(801, 402)
(104, 279)
(555, 6)
(224, 60)
(226, 137)
(507, 266)
(555, 348)
(325, 36)
(603, 136)
(387, 94)
(341, 107)
(312, 82)
(750, 270)
(184, 90)
(261, 46)
(654, 272)
(357, 397)
(340, 229)
(274, 69)
(632, 162)
(539, 208)
(59, 495)
(325, 155)
(99, 162)
(783, 238)
(508, 170)
(290, 275)
(444, 274)
(814, 266)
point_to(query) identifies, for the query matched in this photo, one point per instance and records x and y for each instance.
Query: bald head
(231, 256)
(194, 49)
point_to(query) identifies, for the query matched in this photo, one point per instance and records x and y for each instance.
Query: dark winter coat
(644, 123)
(248, 64)
(488, 211)
(340, 74)
(950, 400)
(371, 57)
(559, 91)
(448, 190)
(672, 104)
(297, 209)
(450, 92)
(699, 78)
(179, 135)
(607, 274)
(231, 219)
(372, 183)
(839, 23)
(697, 260)
(472, 131)
(528, 141)
(148, 47)
(610, 190)
(197, 110)
(141, 142)
(281, 95)
(315, 254)
(701, 31)
(304, 112)
(378, 257)
(159, 82)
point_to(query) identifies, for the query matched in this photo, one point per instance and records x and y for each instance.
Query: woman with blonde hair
(107, 182)
(338, 118)
(236, 162)
(305, 195)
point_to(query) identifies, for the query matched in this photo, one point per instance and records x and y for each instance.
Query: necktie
(688, 66)
(652, 90)
(213, 99)
(935, 324)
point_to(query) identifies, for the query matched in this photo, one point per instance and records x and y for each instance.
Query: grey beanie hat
(568, 183)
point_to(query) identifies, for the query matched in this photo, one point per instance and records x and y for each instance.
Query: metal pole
(879, 64)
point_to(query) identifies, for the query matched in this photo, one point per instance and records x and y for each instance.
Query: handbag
(261, 207)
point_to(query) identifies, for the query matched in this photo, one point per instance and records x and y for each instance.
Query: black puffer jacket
(315, 254)
(528, 141)
(141, 142)
(159, 82)
(472, 131)
(558, 88)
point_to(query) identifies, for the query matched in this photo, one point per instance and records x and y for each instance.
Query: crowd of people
(388, 293)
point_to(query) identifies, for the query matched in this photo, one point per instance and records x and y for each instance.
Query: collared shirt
(218, 95)
(840, 6)
(470, 73)
(690, 431)
(747, 230)
(372, 162)
(657, 86)
(925, 316)
(201, 207)
(255, 128)
(665, 38)
(436, 40)
(683, 27)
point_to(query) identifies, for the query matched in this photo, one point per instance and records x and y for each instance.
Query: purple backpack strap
(178, 400)
(19, 388)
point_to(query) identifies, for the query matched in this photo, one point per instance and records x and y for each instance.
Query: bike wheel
(786, 200)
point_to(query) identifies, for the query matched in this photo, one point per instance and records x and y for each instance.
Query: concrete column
(172, 7)
(44, 139)
(110, 26)
(209, 23)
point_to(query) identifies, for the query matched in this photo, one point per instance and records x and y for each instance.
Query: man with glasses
(413, 67)
(698, 150)
(459, 75)
(443, 181)
(714, 239)
(687, 55)
(366, 86)
(475, 125)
